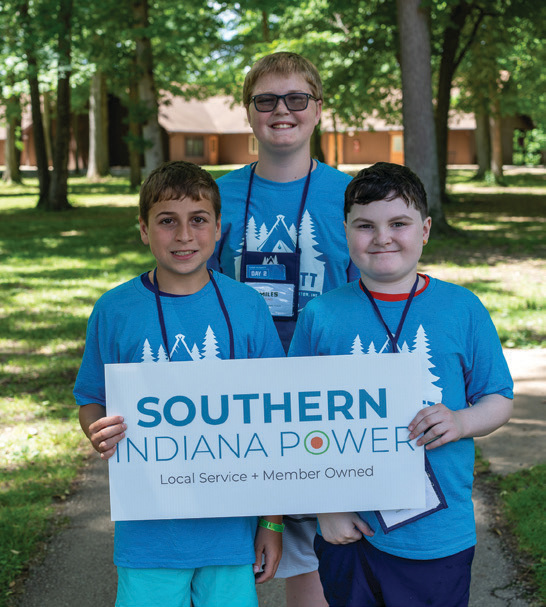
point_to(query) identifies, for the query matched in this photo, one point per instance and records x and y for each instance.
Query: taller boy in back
(282, 233)
(182, 312)
(467, 392)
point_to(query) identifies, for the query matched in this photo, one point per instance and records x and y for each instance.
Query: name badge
(266, 272)
(279, 297)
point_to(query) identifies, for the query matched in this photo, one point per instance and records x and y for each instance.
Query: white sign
(265, 436)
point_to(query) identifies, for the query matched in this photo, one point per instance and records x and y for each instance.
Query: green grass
(522, 494)
(56, 265)
(499, 251)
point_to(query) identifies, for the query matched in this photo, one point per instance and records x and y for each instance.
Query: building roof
(216, 115)
(221, 115)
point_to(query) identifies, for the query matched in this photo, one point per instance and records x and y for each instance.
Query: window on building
(398, 143)
(252, 145)
(195, 146)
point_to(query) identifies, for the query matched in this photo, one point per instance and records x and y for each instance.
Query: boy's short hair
(386, 181)
(176, 180)
(282, 64)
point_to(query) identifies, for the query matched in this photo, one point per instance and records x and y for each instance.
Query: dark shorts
(360, 575)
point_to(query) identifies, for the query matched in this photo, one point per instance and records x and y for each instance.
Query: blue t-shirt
(452, 333)
(271, 228)
(124, 328)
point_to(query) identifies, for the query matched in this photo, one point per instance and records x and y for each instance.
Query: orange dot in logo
(316, 442)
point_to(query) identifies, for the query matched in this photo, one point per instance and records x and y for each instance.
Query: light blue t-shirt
(454, 337)
(124, 328)
(271, 228)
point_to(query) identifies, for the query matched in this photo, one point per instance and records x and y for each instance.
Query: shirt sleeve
(487, 371)
(89, 387)
(301, 341)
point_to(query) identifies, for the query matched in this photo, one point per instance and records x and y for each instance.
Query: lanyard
(162, 318)
(393, 339)
(302, 203)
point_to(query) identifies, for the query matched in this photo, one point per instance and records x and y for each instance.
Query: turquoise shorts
(214, 586)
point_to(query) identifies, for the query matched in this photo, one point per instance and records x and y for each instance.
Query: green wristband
(271, 526)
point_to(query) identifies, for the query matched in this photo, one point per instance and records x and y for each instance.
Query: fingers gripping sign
(436, 425)
(103, 432)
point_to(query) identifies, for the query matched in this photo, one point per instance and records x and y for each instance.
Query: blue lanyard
(162, 318)
(393, 339)
(302, 203)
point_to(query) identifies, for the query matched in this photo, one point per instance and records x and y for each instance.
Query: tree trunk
(495, 124)
(336, 142)
(265, 26)
(58, 192)
(135, 135)
(153, 153)
(12, 174)
(448, 65)
(316, 144)
(75, 142)
(37, 123)
(47, 126)
(98, 165)
(483, 143)
(418, 115)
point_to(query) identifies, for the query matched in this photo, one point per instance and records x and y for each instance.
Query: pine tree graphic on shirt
(147, 353)
(182, 350)
(312, 269)
(357, 350)
(431, 392)
(162, 355)
(252, 235)
(281, 238)
(210, 345)
(371, 348)
(195, 354)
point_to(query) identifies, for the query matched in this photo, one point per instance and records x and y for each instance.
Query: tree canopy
(486, 57)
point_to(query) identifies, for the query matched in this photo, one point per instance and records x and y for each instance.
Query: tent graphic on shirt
(431, 392)
(281, 238)
(278, 239)
(181, 350)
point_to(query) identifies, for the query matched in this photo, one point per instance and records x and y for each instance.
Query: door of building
(396, 148)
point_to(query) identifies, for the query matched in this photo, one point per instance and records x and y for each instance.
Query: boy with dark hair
(282, 234)
(167, 314)
(467, 392)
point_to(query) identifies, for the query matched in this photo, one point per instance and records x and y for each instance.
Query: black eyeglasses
(295, 102)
